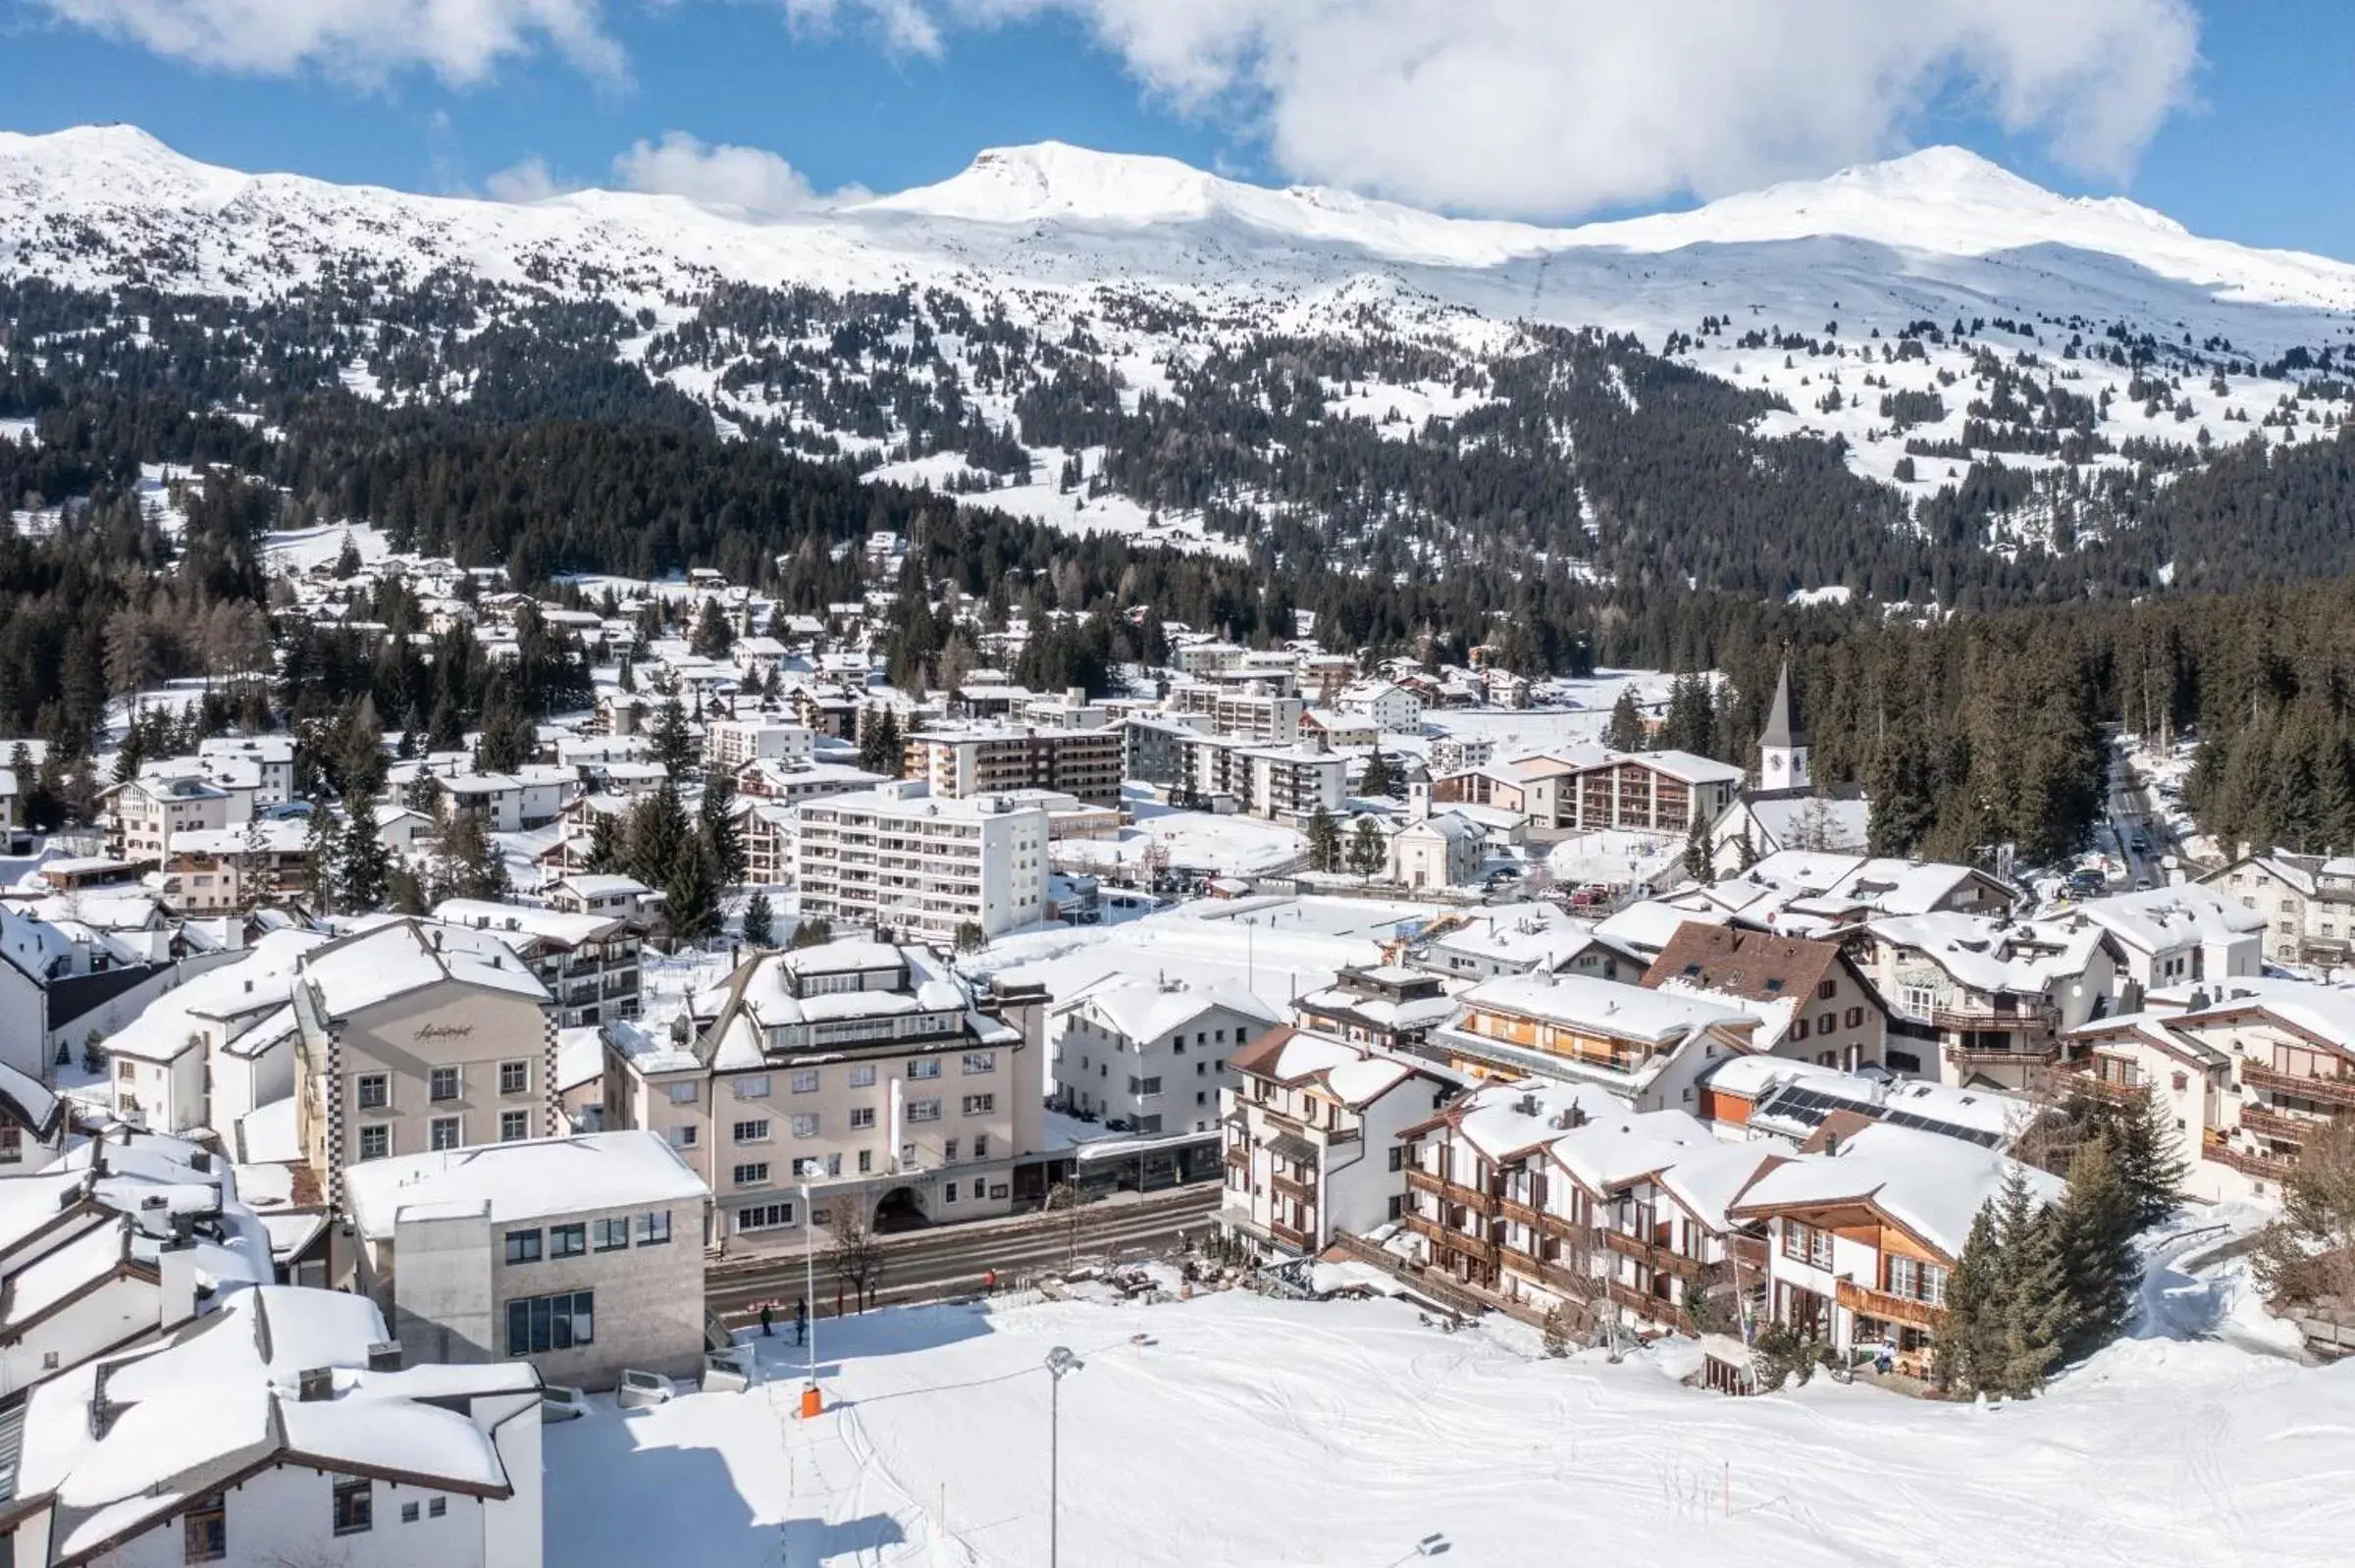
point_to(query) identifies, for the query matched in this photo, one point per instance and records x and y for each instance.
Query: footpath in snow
(1236, 1429)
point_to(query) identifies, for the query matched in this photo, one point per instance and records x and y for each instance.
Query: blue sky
(2248, 142)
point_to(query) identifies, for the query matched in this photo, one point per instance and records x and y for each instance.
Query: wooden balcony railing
(1295, 1188)
(1890, 1308)
(2265, 1167)
(1655, 1257)
(1514, 1208)
(1652, 1307)
(1440, 1235)
(1478, 1202)
(2269, 1122)
(2337, 1090)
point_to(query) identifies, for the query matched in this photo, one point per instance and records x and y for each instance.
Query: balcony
(1515, 1209)
(1440, 1235)
(2337, 1090)
(1421, 1180)
(2267, 1168)
(1646, 1305)
(1298, 1189)
(1889, 1308)
(2268, 1122)
(1651, 1256)
(1238, 1157)
(1291, 1236)
(1983, 1055)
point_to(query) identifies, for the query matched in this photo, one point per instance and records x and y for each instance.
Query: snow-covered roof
(1356, 1075)
(225, 1003)
(580, 1057)
(1648, 924)
(399, 957)
(530, 1180)
(1792, 1097)
(2325, 1011)
(1142, 1009)
(1995, 956)
(1933, 1187)
(2156, 919)
(516, 921)
(1595, 1006)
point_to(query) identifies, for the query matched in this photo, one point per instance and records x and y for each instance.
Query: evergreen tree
(720, 831)
(713, 636)
(880, 747)
(404, 893)
(691, 893)
(1323, 841)
(1379, 778)
(469, 865)
(811, 930)
(606, 845)
(2033, 1286)
(1700, 861)
(759, 921)
(2150, 1159)
(323, 849)
(363, 864)
(507, 742)
(659, 836)
(1626, 731)
(1970, 1341)
(1369, 851)
(674, 742)
(2094, 1235)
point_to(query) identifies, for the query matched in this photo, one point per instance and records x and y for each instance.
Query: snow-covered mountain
(1797, 290)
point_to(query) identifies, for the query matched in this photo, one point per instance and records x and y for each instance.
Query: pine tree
(1699, 859)
(713, 636)
(507, 742)
(469, 865)
(880, 747)
(1969, 1340)
(1368, 852)
(364, 864)
(2094, 1235)
(691, 893)
(2036, 1307)
(1626, 731)
(1380, 778)
(659, 836)
(1323, 841)
(718, 826)
(759, 921)
(2150, 1160)
(674, 742)
(404, 894)
(322, 848)
(605, 847)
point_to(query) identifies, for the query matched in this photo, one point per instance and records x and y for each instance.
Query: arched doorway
(901, 1210)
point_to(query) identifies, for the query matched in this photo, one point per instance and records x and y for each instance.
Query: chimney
(314, 1386)
(385, 1357)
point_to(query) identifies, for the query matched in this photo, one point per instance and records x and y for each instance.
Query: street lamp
(810, 1396)
(1060, 1363)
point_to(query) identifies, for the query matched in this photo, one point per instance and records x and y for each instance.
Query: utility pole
(1061, 1363)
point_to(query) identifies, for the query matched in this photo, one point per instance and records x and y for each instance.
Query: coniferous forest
(1673, 541)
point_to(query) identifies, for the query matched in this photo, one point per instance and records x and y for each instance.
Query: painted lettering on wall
(444, 1031)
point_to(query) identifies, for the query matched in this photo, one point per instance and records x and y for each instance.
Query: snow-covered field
(1236, 1429)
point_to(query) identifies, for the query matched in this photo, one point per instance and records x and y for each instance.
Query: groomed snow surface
(1236, 1429)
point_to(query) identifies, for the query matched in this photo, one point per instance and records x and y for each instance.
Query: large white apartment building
(733, 742)
(901, 857)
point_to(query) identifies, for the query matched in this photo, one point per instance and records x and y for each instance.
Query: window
(567, 1240)
(1917, 1000)
(1827, 1023)
(514, 1077)
(540, 1324)
(948, 1151)
(803, 1125)
(376, 1142)
(654, 1230)
(755, 1175)
(949, 1193)
(862, 1117)
(804, 1081)
(924, 1110)
(447, 1133)
(609, 1235)
(1804, 1243)
(980, 1062)
(408, 1513)
(1150, 1085)
(764, 1216)
(1855, 1017)
(436, 1507)
(754, 1131)
(755, 1087)
(683, 1138)
(523, 1247)
(1828, 989)
(681, 1093)
(355, 1507)
(442, 1085)
(1397, 1157)
(862, 1075)
(924, 1066)
(867, 1162)
(984, 1104)
(207, 1529)
(375, 1091)
(514, 1126)
(1799, 1028)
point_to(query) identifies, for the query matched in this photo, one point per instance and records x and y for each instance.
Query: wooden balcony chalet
(1295, 1188)
(1650, 1307)
(2264, 1166)
(1478, 1202)
(1440, 1235)
(1291, 1235)
(2335, 1091)
(1747, 1251)
(1985, 1055)
(2268, 1122)
(1651, 1256)
(1292, 1123)
(1514, 1208)
(2081, 1080)
(1871, 1304)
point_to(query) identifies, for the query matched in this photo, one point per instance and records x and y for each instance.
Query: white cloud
(908, 25)
(680, 165)
(1550, 106)
(528, 180)
(459, 40)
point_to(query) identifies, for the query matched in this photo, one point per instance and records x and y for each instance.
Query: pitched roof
(1782, 715)
(1733, 960)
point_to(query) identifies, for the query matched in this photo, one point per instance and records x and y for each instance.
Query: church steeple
(1783, 748)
